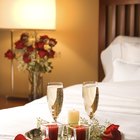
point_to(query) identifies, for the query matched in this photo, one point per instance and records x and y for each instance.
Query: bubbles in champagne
(90, 96)
(55, 98)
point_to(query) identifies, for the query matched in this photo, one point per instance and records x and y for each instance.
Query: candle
(53, 131)
(73, 117)
(80, 133)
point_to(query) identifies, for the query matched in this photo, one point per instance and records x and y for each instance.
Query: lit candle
(73, 117)
(53, 131)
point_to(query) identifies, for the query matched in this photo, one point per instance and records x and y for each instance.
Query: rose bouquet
(33, 54)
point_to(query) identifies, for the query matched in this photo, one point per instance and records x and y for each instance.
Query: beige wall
(77, 36)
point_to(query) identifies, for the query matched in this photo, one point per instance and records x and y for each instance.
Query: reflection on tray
(34, 134)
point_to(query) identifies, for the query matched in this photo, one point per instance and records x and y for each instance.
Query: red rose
(26, 58)
(50, 54)
(39, 45)
(52, 42)
(42, 53)
(112, 133)
(19, 44)
(9, 54)
(44, 38)
(30, 48)
(20, 137)
(24, 36)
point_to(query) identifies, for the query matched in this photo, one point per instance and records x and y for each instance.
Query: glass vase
(35, 85)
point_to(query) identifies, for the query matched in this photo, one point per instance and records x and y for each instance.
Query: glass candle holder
(52, 130)
(80, 132)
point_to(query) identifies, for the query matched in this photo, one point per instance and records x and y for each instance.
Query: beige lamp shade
(27, 14)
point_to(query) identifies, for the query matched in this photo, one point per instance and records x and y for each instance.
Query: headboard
(116, 17)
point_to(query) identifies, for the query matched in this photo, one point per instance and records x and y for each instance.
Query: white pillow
(125, 71)
(108, 55)
(119, 48)
(131, 52)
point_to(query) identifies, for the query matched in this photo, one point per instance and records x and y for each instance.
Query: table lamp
(28, 15)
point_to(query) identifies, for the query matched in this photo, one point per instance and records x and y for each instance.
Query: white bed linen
(125, 70)
(122, 47)
(118, 103)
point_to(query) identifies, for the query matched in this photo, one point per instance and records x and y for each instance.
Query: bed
(119, 17)
(119, 78)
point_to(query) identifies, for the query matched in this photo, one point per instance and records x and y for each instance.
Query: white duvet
(119, 103)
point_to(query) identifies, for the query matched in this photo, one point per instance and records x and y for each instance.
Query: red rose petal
(112, 133)
(46, 139)
(20, 137)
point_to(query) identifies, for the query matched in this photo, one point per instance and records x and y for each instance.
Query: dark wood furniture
(117, 17)
(11, 102)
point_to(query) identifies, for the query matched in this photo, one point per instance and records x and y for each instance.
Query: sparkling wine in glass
(91, 96)
(55, 98)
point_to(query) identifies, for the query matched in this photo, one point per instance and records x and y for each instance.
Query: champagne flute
(91, 96)
(55, 98)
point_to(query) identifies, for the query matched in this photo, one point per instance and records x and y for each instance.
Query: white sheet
(118, 103)
(123, 97)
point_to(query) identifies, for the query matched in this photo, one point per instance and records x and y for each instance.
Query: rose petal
(20, 137)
